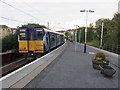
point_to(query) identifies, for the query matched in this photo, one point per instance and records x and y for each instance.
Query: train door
(31, 44)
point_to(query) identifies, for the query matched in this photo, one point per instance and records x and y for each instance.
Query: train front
(30, 40)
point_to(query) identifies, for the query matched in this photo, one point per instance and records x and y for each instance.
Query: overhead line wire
(13, 20)
(18, 9)
(38, 11)
(30, 6)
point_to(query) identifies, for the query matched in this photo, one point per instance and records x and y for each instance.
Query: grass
(93, 43)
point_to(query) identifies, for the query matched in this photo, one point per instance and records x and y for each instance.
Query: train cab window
(22, 36)
(39, 35)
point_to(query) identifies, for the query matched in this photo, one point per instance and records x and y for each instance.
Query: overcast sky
(59, 13)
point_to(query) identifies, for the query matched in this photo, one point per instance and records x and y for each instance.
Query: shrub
(10, 42)
(100, 55)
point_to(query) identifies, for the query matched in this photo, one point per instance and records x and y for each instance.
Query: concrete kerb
(106, 52)
(33, 67)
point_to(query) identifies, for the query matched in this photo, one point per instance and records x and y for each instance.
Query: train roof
(46, 29)
(30, 27)
(49, 30)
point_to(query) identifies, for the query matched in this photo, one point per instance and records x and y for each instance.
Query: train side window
(58, 38)
(53, 37)
(62, 38)
(22, 36)
(39, 35)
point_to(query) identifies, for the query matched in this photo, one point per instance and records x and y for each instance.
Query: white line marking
(91, 53)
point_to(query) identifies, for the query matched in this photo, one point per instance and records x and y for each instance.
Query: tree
(10, 42)
(67, 35)
(34, 24)
(111, 33)
(106, 27)
(82, 38)
(115, 32)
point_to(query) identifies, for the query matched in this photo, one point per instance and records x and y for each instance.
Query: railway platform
(73, 69)
(67, 67)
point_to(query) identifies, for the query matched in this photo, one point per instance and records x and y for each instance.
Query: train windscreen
(39, 36)
(22, 35)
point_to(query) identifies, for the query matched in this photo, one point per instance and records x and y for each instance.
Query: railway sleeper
(30, 56)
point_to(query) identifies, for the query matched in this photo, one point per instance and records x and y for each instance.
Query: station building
(5, 30)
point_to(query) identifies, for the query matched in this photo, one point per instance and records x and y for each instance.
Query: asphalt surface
(73, 69)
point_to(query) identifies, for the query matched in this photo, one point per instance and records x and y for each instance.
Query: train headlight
(22, 48)
(38, 48)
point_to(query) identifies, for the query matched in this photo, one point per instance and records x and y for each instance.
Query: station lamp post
(86, 26)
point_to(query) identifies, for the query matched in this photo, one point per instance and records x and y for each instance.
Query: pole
(86, 27)
(101, 36)
(80, 36)
(76, 38)
(85, 32)
(48, 24)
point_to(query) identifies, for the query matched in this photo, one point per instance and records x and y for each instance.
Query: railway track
(13, 66)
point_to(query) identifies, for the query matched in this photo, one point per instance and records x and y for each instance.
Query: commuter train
(38, 40)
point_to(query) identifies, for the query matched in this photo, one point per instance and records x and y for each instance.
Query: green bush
(10, 42)
(100, 55)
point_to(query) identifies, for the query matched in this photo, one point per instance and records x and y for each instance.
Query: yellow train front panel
(34, 46)
(39, 47)
(23, 46)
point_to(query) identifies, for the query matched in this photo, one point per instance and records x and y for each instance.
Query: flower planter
(99, 60)
(107, 71)
(96, 64)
